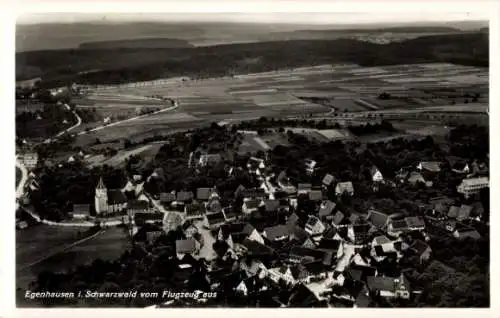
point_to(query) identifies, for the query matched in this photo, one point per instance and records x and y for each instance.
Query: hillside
(126, 65)
(147, 43)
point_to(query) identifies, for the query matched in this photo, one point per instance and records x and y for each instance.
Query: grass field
(347, 88)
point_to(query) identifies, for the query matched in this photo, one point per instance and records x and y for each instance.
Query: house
(80, 211)
(388, 287)
(209, 160)
(304, 188)
(462, 232)
(328, 180)
(228, 231)
(277, 233)
(344, 188)
(184, 197)
(382, 247)
(239, 191)
(316, 195)
(359, 233)
(203, 194)
(21, 225)
(326, 209)
(29, 160)
(376, 175)
(415, 223)
(188, 246)
(255, 249)
(166, 198)
(472, 186)
(251, 205)
(339, 219)
(303, 297)
(271, 205)
(378, 219)
(137, 206)
(332, 245)
(194, 210)
(397, 227)
(314, 226)
(230, 213)
(431, 166)
(253, 193)
(189, 229)
(421, 249)
(213, 205)
(416, 178)
(253, 268)
(213, 221)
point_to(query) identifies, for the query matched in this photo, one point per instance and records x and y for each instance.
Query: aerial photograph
(252, 160)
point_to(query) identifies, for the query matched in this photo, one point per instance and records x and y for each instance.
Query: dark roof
(399, 224)
(326, 208)
(183, 196)
(377, 218)
(363, 299)
(329, 244)
(280, 195)
(453, 212)
(415, 221)
(379, 283)
(254, 193)
(303, 297)
(314, 268)
(277, 231)
(338, 218)
(252, 203)
(419, 247)
(214, 205)
(195, 208)
(148, 216)
(138, 205)
(464, 211)
(256, 249)
(214, 218)
(240, 227)
(271, 205)
(167, 197)
(239, 190)
(312, 221)
(468, 232)
(203, 193)
(300, 251)
(373, 170)
(116, 196)
(230, 211)
(315, 195)
(328, 179)
(415, 177)
(185, 246)
(292, 219)
(304, 186)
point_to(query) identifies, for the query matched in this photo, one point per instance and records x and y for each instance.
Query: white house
(376, 174)
(471, 186)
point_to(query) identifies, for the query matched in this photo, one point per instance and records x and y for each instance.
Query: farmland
(307, 91)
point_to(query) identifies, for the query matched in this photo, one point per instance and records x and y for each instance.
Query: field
(148, 150)
(37, 242)
(319, 90)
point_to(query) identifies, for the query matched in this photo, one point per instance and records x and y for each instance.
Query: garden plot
(335, 134)
(347, 105)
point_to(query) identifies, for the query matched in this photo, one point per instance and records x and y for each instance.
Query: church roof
(116, 196)
(100, 185)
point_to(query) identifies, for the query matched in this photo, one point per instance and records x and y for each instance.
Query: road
(346, 258)
(127, 120)
(85, 224)
(22, 182)
(78, 122)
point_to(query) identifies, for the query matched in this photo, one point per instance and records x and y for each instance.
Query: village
(298, 237)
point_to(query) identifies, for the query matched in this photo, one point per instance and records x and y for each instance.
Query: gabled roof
(433, 166)
(277, 231)
(415, 221)
(329, 244)
(338, 218)
(380, 283)
(185, 246)
(195, 208)
(252, 204)
(453, 212)
(328, 179)
(304, 186)
(271, 205)
(314, 268)
(381, 239)
(240, 227)
(203, 193)
(292, 219)
(377, 218)
(138, 205)
(464, 211)
(167, 197)
(399, 225)
(256, 249)
(326, 208)
(315, 195)
(312, 221)
(373, 170)
(419, 247)
(344, 187)
(183, 196)
(415, 177)
(215, 218)
(239, 190)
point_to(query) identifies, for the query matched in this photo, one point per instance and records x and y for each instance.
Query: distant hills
(56, 36)
(151, 43)
(121, 65)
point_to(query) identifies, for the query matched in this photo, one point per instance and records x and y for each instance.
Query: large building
(472, 186)
(29, 159)
(111, 201)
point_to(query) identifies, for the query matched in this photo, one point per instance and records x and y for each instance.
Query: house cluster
(292, 237)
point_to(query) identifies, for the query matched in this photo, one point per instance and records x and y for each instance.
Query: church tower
(101, 198)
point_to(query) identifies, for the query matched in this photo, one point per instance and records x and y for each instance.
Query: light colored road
(127, 120)
(85, 224)
(346, 258)
(22, 182)
(78, 122)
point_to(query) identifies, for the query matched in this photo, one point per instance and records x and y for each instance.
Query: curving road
(78, 122)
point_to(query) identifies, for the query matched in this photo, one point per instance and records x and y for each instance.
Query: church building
(111, 201)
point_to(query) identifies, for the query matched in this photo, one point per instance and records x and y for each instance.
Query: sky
(255, 17)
